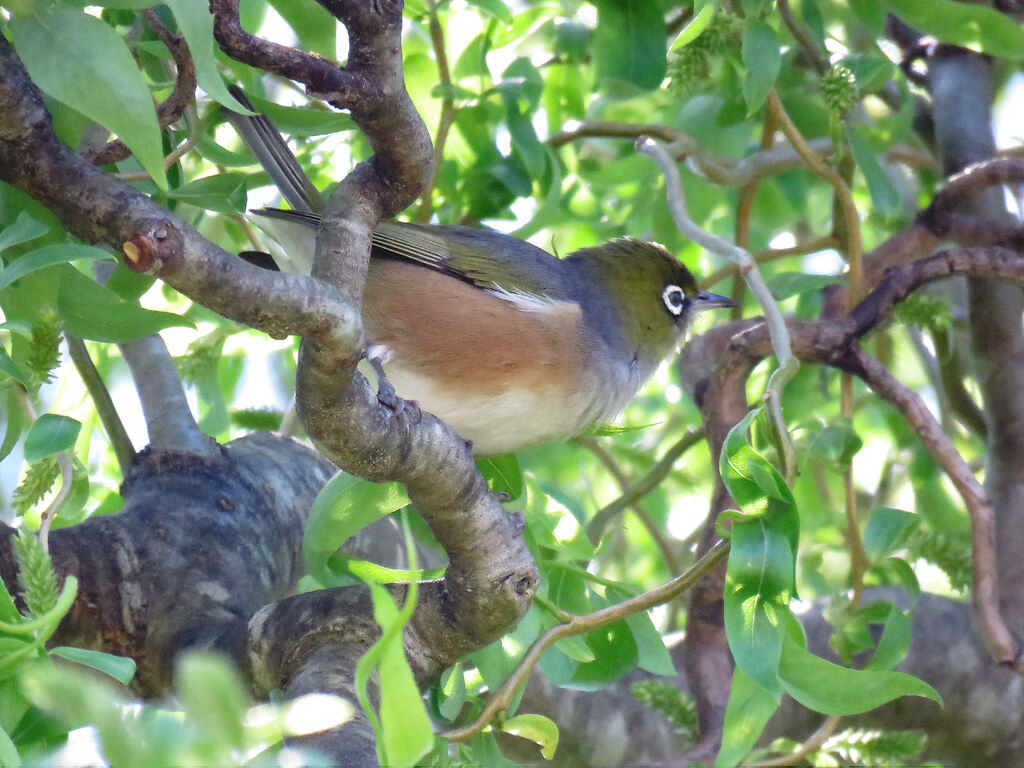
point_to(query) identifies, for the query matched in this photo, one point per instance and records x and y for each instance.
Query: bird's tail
(293, 231)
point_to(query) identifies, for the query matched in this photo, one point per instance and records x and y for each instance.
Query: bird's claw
(389, 398)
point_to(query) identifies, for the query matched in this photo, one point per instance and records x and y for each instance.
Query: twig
(1000, 641)
(578, 625)
(801, 35)
(787, 364)
(772, 254)
(854, 255)
(842, 190)
(193, 137)
(447, 113)
(653, 530)
(112, 425)
(650, 481)
(812, 743)
(171, 108)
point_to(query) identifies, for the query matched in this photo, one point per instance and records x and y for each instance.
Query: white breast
(515, 419)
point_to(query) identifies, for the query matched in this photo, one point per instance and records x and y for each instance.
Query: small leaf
(503, 475)
(833, 690)
(303, 121)
(47, 257)
(496, 9)
(883, 193)
(451, 692)
(886, 530)
(23, 229)
(196, 23)
(749, 709)
(223, 193)
(972, 26)
(763, 61)
(94, 74)
(652, 654)
(694, 28)
(837, 443)
(538, 729)
(10, 368)
(213, 695)
(90, 311)
(50, 435)
(758, 586)
(894, 642)
(345, 505)
(121, 668)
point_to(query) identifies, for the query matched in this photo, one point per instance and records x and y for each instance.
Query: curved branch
(174, 105)
(578, 625)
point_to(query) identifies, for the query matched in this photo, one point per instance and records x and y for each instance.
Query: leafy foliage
(524, 87)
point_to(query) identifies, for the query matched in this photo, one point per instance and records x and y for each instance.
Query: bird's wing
(504, 265)
(490, 260)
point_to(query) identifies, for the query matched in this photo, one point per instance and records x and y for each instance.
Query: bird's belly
(505, 421)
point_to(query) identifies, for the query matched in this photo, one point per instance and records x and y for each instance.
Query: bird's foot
(389, 398)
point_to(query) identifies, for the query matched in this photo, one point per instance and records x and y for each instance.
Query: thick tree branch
(169, 419)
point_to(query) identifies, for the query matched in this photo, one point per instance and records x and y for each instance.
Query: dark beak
(704, 300)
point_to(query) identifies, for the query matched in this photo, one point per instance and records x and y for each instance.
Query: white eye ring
(674, 299)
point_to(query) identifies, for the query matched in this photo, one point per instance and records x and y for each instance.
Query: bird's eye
(675, 300)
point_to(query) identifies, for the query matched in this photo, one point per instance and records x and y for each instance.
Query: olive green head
(653, 294)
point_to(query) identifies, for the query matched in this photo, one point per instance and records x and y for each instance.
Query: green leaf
(784, 285)
(303, 121)
(503, 475)
(615, 653)
(94, 73)
(8, 752)
(630, 44)
(222, 192)
(450, 692)
(972, 26)
(749, 708)
(763, 61)
(758, 586)
(538, 729)
(495, 9)
(10, 368)
(345, 505)
(831, 689)
(694, 28)
(364, 570)
(121, 668)
(50, 435)
(884, 196)
(196, 23)
(90, 311)
(213, 695)
(47, 257)
(886, 530)
(894, 642)
(23, 229)
(313, 25)
(652, 654)
(837, 443)
(403, 731)
(14, 416)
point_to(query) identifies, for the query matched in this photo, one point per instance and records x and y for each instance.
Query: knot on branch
(155, 243)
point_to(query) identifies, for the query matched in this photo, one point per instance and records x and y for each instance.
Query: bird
(508, 344)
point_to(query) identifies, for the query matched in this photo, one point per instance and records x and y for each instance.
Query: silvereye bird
(511, 346)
